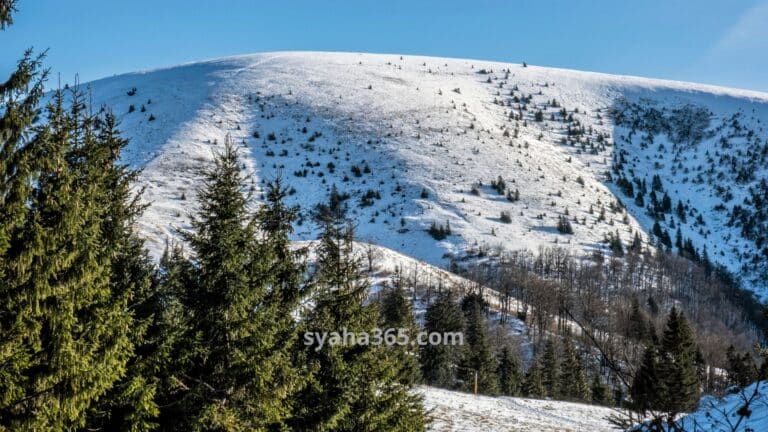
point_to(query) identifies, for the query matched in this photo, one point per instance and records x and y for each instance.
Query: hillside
(462, 412)
(417, 141)
(454, 411)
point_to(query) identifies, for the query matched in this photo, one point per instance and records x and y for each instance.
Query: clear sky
(718, 42)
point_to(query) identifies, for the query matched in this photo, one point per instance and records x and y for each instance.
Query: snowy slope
(462, 412)
(423, 138)
(745, 410)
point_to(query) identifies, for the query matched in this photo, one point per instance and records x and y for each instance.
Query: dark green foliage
(615, 244)
(513, 196)
(668, 380)
(352, 387)
(477, 356)
(396, 314)
(234, 366)
(368, 199)
(656, 184)
(499, 185)
(438, 361)
(66, 332)
(334, 209)
(742, 370)
(640, 199)
(678, 368)
(532, 385)
(647, 388)
(130, 403)
(600, 393)
(573, 381)
(550, 369)
(638, 327)
(661, 235)
(19, 96)
(680, 210)
(510, 379)
(6, 9)
(625, 186)
(439, 232)
(564, 225)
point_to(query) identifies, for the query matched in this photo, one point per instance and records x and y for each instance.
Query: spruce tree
(742, 370)
(647, 387)
(509, 374)
(550, 369)
(167, 352)
(70, 333)
(6, 9)
(438, 362)
(532, 385)
(573, 382)
(239, 374)
(352, 386)
(477, 358)
(599, 392)
(19, 97)
(638, 323)
(678, 365)
(397, 317)
(130, 404)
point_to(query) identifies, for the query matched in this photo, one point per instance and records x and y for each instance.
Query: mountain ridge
(419, 141)
(670, 83)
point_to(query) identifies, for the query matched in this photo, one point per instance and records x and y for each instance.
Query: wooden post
(475, 383)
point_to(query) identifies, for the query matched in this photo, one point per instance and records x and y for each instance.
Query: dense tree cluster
(668, 379)
(94, 336)
(732, 154)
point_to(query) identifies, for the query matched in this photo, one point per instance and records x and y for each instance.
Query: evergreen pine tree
(6, 8)
(599, 392)
(130, 404)
(573, 382)
(68, 331)
(508, 373)
(19, 96)
(167, 352)
(638, 323)
(352, 386)
(239, 374)
(532, 385)
(550, 369)
(438, 361)
(678, 366)
(477, 357)
(397, 317)
(647, 387)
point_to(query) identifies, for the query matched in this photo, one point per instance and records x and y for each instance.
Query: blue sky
(717, 42)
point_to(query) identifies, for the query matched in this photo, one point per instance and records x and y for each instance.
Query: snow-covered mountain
(417, 141)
